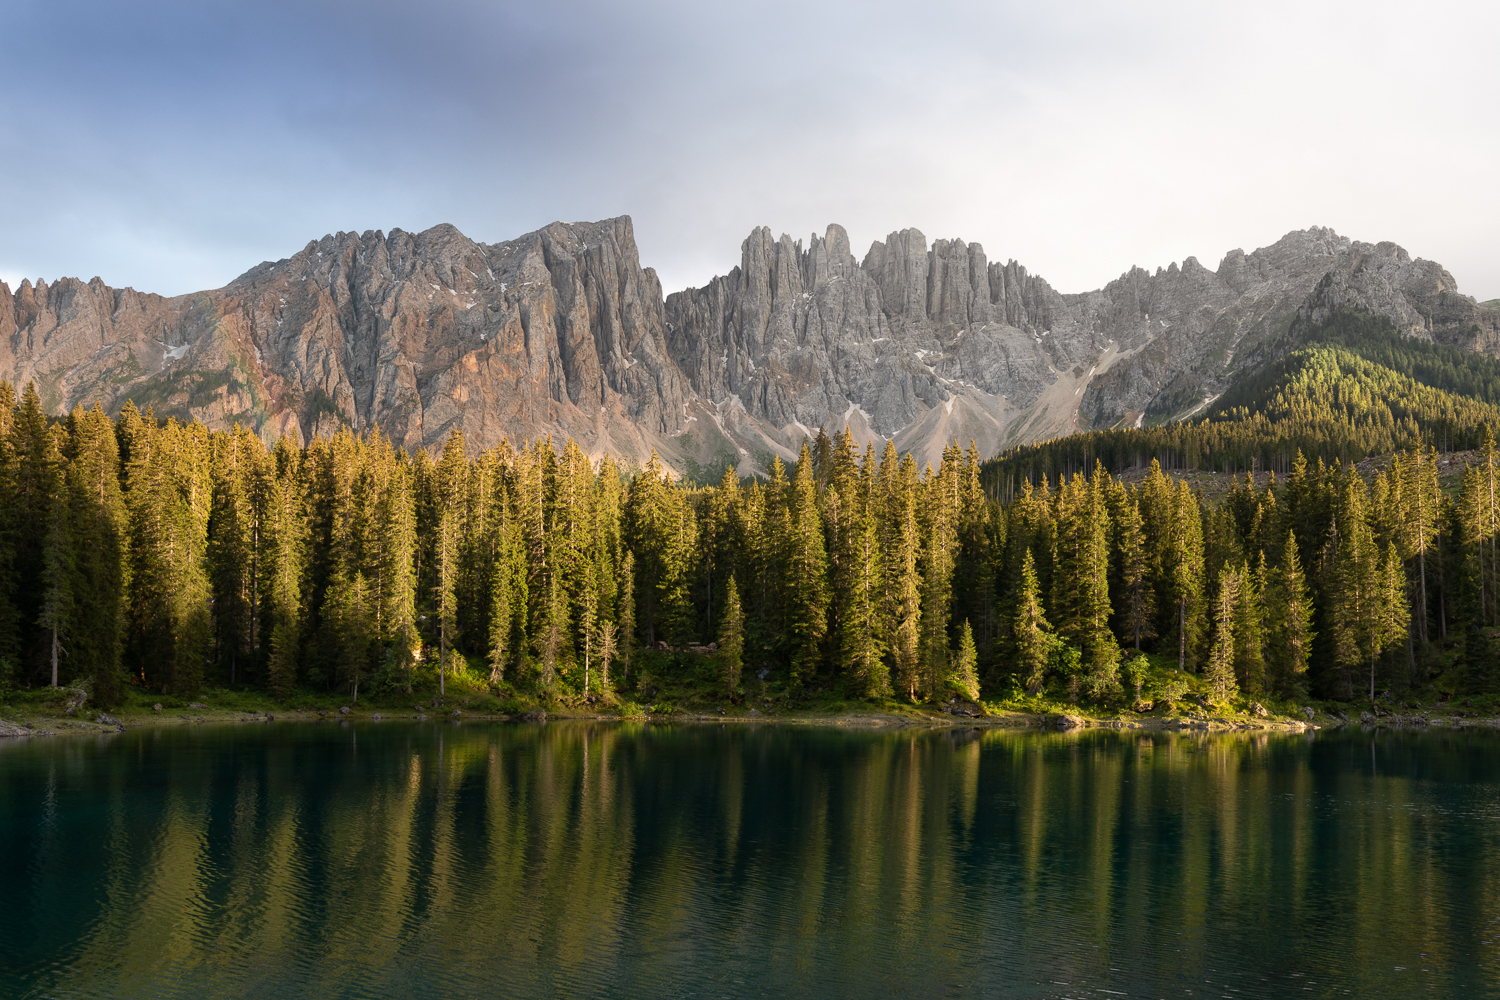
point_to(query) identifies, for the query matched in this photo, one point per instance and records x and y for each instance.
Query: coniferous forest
(170, 557)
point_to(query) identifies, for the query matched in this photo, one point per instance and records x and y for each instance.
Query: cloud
(173, 145)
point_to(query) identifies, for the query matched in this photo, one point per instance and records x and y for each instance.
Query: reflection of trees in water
(539, 857)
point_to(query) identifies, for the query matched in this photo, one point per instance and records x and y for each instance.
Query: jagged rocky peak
(562, 331)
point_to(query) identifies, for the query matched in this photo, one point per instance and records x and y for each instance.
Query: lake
(398, 859)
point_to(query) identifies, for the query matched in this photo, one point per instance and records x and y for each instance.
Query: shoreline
(49, 725)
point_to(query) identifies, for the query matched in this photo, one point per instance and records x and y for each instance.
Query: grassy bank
(684, 686)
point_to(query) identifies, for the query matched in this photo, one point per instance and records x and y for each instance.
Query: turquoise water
(574, 859)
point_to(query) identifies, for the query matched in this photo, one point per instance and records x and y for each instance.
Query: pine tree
(355, 631)
(59, 574)
(1289, 617)
(33, 473)
(1219, 674)
(608, 649)
(626, 610)
(1183, 572)
(286, 539)
(397, 566)
(232, 555)
(904, 598)
(731, 639)
(806, 582)
(1031, 635)
(1136, 603)
(647, 529)
(507, 596)
(1249, 630)
(1391, 616)
(1081, 605)
(551, 625)
(937, 594)
(860, 627)
(965, 676)
(10, 528)
(451, 481)
(1353, 592)
(99, 533)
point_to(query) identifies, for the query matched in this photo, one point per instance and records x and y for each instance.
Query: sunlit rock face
(563, 332)
(926, 344)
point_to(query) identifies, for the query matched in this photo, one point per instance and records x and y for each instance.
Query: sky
(171, 145)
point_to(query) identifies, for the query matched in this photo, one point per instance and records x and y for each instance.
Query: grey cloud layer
(168, 145)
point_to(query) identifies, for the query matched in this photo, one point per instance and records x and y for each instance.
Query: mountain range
(563, 332)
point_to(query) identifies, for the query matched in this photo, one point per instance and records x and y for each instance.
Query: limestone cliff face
(563, 332)
(924, 344)
(559, 331)
(1419, 296)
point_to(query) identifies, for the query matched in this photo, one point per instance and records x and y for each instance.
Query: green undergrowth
(662, 684)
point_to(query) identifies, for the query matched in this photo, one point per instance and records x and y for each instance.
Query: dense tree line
(168, 556)
(1360, 389)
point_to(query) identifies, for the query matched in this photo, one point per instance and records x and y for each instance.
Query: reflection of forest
(558, 858)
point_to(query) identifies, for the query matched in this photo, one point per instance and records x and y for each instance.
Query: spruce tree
(806, 581)
(1183, 573)
(10, 527)
(1219, 673)
(285, 548)
(937, 594)
(1081, 605)
(904, 601)
(861, 631)
(33, 474)
(451, 482)
(626, 610)
(608, 650)
(731, 639)
(1136, 602)
(1289, 618)
(1392, 616)
(59, 577)
(1249, 630)
(507, 596)
(1353, 591)
(965, 676)
(355, 629)
(99, 534)
(1031, 635)
(397, 564)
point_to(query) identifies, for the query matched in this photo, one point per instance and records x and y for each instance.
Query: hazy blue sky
(171, 145)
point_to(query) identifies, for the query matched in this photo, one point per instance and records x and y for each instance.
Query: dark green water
(402, 860)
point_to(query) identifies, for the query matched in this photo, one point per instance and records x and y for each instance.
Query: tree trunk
(1181, 633)
(54, 656)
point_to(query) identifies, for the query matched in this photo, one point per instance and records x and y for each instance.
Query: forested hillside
(167, 556)
(1350, 389)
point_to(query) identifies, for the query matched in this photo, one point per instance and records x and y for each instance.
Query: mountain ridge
(563, 331)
